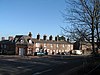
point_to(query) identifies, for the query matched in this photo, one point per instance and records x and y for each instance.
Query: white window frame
(30, 41)
(63, 45)
(51, 45)
(37, 44)
(44, 44)
(5, 46)
(57, 45)
(21, 41)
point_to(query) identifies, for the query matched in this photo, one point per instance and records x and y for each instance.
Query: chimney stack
(30, 34)
(67, 39)
(57, 38)
(38, 36)
(44, 37)
(10, 38)
(50, 38)
(3, 38)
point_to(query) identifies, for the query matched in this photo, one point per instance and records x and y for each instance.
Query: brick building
(52, 46)
(7, 46)
(26, 45)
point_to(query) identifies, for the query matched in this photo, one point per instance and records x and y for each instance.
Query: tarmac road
(37, 66)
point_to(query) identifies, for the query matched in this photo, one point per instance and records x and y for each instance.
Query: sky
(19, 17)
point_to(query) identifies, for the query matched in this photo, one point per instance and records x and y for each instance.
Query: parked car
(78, 52)
(39, 53)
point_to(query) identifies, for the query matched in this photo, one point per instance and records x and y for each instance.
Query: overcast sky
(36, 16)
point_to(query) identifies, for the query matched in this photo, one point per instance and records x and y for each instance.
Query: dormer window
(21, 41)
(30, 41)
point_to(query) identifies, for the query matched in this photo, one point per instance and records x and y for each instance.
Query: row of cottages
(26, 45)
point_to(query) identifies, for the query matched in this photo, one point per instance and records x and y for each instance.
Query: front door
(21, 51)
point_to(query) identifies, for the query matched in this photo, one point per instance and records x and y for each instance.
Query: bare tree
(84, 19)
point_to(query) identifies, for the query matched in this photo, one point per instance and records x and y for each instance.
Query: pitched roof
(6, 41)
(50, 41)
(18, 38)
(25, 39)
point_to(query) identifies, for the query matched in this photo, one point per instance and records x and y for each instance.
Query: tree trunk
(93, 35)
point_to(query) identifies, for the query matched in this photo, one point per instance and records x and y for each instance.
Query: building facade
(7, 46)
(52, 46)
(26, 45)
